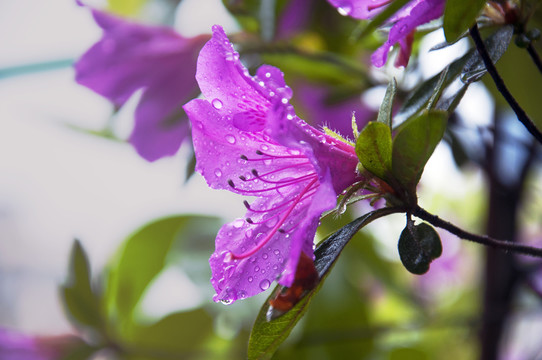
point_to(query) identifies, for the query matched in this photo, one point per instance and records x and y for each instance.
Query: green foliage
(374, 149)
(386, 107)
(81, 302)
(418, 246)
(413, 145)
(266, 335)
(459, 16)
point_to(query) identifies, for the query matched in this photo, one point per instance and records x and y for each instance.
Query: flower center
(280, 211)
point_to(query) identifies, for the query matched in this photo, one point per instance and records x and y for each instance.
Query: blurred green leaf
(126, 7)
(386, 107)
(266, 336)
(82, 304)
(374, 149)
(413, 145)
(142, 257)
(459, 16)
(418, 246)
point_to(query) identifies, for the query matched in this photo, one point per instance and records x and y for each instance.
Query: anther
(243, 157)
(255, 172)
(243, 178)
(282, 231)
(259, 152)
(249, 220)
(230, 182)
(246, 205)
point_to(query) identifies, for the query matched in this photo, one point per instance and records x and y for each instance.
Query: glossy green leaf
(266, 336)
(459, 16)
(374, 149)
(386, 107)
(496, 45)
(82, 304)
(140, 260)
(419, 98)
(418, 246)
(413, 145)
(126, 7)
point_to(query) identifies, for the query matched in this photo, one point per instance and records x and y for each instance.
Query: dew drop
(264, 284)
(265, 256)
(248, 233)
(267, 74)
(264, 147)
(217, 104)
(294, 152)
(256, 268)
(241, 294)
(226, 301)
(230, 138)
(276, 252)
(238, 223)
(218, 173)
(250, 278)
(275, 267)
(284, 101)
(289, 117)
(345, 10)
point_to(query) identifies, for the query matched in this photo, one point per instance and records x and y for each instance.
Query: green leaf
(374, 149)
(386, 108)
(140, 260)
(82, 304)
(413, 145)
(266, 336)
(422, 94)
(418, 246)
(438, 89)
(382, 17)
(126, 7)
(459, 16)
(496, 45)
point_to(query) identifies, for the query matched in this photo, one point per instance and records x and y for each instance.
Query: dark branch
(492, 70)
(480, 239)
(534, 55)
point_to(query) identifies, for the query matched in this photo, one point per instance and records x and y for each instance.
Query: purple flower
(247, 139)
(156, 60)
(17, 346)
(405, 21)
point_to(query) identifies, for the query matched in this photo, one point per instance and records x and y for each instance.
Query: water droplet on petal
(256, 268)
(276, 252)
(267, 74)
(241, 294)
(217, 104)
(250, 278)
(264, 284)
(230, 138)
(284, 101)
(226, 301)
(218, 173)
(265, 256)
(345, 10)
(238, 223)
(264, 147)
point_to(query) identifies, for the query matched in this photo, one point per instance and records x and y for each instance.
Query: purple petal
(359, 9)
(416, 13)
(131, 57)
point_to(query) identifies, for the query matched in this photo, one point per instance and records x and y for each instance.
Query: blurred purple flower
(17, 346)
(156, 60)
(247, 139)
(336, 115)
(405, 21)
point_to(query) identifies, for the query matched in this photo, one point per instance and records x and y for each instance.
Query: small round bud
(522, 41)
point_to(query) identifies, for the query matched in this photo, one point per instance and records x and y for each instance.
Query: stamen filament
(277, 226)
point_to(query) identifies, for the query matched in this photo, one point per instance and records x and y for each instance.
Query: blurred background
(67, 172)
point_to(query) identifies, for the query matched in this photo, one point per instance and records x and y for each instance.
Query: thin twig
(534, 55)
(492, 70)
(480, 239)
